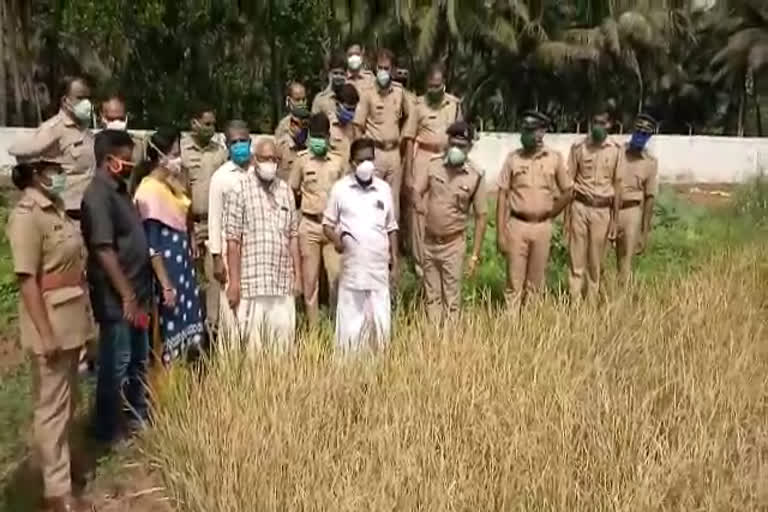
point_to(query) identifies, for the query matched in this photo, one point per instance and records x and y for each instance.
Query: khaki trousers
(415, 220)
(315, 249)
(527, 258)
(443, 268)
(588, 236)
(389, 168)
(210, 288)
(629, 228)
(55, 384)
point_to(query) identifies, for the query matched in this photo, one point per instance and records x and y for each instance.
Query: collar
(354, 184)
(637, 154)
(385, 92)
(42, 200)
(67, 119)
(539, 153)
(110, 179)
(325, 157)
(191, 142)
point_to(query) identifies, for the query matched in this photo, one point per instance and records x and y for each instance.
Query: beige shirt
(428, 123)
(641, 177)
(288, 152)
(325, 101)
(44, 241)
(199, 165)
(533, 182)
(363, 81)
(342, 137)
(314, 177)
(380, 112)
(283, 127)
(450, 192)
(61, 139)
(595, 168)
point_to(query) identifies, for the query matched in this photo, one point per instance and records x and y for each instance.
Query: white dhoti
(261, 323)
(363, 319)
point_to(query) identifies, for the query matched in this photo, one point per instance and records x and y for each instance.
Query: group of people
(191, 243)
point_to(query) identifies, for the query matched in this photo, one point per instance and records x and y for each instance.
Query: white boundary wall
(682, 159)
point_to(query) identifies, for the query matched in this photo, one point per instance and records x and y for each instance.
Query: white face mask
(354, 62)
(116, 124)
(364, 171)
(83, 110)
(266, 171)
(173, 165)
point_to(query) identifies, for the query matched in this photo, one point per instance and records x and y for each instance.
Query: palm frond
(555, 55)
(430, 19)
(504, 34)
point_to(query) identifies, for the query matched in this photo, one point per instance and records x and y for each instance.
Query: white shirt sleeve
(216, 210)
(332, 208)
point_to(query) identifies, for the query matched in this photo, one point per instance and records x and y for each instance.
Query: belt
(55, 280)
(431, 148)
(630, 203)
(314, 217)
(200, 217)
(594, 202)
(440, 240)
(529, 218)
(387, 146)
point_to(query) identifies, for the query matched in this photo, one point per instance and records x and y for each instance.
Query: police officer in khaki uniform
(313, 174)
(534, 187)
(298, 111)
(67, 139)
(434, 112)
(342, 127)
(357, 75)
(200, 157)
(640, 187)
(378, 116)
(325, 100)
(54, 313)
(444, 195)
(289, 145)
(596, 167)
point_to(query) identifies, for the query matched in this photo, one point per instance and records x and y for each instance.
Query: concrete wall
(682, 159)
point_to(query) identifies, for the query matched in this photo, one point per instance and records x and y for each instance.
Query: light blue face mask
(58, 185)
(455, 156)
(240, 152)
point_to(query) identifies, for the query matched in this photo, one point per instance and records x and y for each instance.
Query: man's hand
(419, 207)
(193, 248)
(641, 244)
(338, 243)
(169, 297)
(219, 269)
(612, 231)
(233, 295)
(50, 348)
(394, 272)
(472, 266)
(131, 310)
(502, 239)
(298, 286)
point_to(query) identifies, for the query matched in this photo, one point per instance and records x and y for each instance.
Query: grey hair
(262, 141)
(235, 124)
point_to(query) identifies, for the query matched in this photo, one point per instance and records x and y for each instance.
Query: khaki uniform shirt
(314, 177)
(342, 137)
(289, 153)
(363, 81)
(594, 169)
(450, 194)
(61, 139)
(533, 182)
(380, 112)
(45, 241)
(325, 101)
(283, 127)
(199, 165)
(641, 177)
(427, 123)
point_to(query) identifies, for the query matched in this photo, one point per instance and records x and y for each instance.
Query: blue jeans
(123, 356)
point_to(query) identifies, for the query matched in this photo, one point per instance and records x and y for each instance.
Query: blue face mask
(639, 140)
(301, 137)
(240, 152)
(344, 114)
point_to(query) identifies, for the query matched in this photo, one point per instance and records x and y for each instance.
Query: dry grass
(655, 401)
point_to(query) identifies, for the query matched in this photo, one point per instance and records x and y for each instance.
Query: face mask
(173, 165)
(401, 77)
(119, 167)
(300, 137)
(240, 152)
(354, 62)
(435, 94)
(528, 140)
(639, 140)
(204, 133)
(83, 111)
(58, 185)
(337, 82)
(455, 156)
(599, 133)
(318, 146)
(383, 78)
(116, 124)
(298, 110)
(364, 172)
(345, 114)
(266, 171)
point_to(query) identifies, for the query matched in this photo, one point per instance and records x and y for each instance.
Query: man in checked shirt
(261, 227)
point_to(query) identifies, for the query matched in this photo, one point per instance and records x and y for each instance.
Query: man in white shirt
(361, 222)
(224, 180)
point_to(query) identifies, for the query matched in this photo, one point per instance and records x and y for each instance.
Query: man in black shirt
(120, 281)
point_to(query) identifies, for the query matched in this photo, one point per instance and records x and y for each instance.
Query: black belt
(443, 239)
(594, 202)
(387, 146)
(315, 217)
(529, 218)
(630, 204)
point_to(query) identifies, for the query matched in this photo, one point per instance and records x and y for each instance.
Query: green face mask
(204, 133)
(528, 140)
(599, 133)
(455, 156)
(435, 94)
(318, 146)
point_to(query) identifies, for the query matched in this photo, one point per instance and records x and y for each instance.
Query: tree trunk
(277, 89)
(758, 113)
(742, 109)
(3, 76)
(11, 19)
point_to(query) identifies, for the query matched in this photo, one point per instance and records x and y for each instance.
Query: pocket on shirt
(463, 198)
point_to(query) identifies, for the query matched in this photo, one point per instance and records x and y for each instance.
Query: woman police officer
(55, 315)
